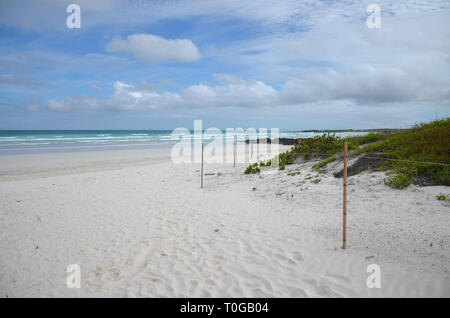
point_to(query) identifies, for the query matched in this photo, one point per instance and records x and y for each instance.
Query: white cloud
(131, 98)
(126, 97)
(364, 84)
(74, 104)
(154, 49)
(246, 94)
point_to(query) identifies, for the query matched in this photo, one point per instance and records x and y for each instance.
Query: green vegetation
(414, 152)
(293, 173)
(254, 189)
(267, 163)
(356, 141)
(399, 181)
(323, 163)
(441, 197)
(427, 142)
(316, 180)
(252, 169)
(325, 145)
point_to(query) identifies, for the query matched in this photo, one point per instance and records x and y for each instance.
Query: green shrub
(324, 144)
(356, 141)
(399, 181)
(266, 163)
(252, 169)
(425, 142)
(441, 197)
(324, 163)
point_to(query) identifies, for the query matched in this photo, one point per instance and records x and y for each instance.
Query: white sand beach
(140, 226)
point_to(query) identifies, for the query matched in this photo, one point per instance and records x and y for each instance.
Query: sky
(292, 65)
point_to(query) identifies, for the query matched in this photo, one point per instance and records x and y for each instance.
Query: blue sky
(137, 64)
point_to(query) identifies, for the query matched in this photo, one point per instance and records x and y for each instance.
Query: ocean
(48, 141)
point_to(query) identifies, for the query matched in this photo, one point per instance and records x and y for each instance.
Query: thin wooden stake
(344, 223)
(234, 153)
(203, 146)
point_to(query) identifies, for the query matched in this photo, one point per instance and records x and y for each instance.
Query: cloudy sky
(137, 64)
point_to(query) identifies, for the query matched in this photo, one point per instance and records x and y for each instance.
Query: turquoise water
(45, 141)
(38, 141)
(82, 137)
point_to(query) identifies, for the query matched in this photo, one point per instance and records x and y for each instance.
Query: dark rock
(360, 165)
(281, 141)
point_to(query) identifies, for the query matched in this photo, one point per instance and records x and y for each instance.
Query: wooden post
(344, 223)
(234, 153)
(203, 146)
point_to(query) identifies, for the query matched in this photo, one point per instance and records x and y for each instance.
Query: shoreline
(69, 149)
